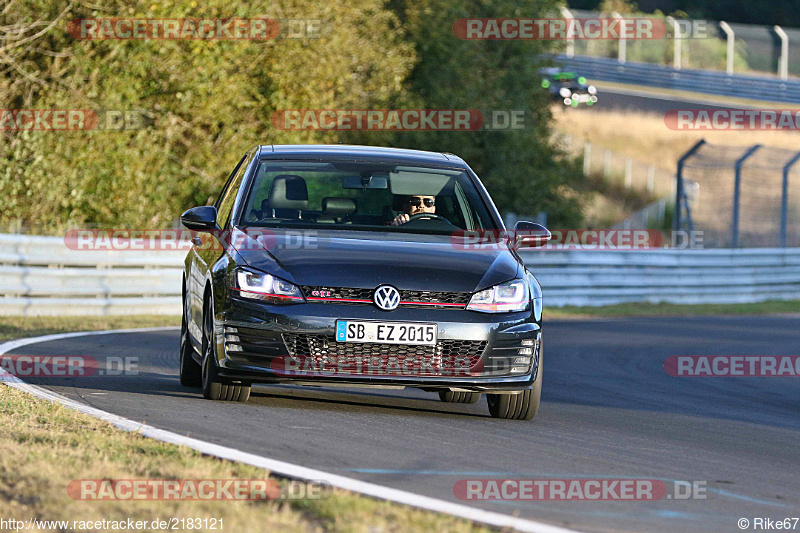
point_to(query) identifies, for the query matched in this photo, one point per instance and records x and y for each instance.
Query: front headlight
(564, 92)
(591, 89)
(507, 297)
(266, 287)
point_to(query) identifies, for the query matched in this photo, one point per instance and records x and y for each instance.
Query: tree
(522, 169)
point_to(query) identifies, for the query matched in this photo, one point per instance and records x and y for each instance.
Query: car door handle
(196, 241)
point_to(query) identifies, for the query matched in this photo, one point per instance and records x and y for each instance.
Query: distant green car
(568, 88)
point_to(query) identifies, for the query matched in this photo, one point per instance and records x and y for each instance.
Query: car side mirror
(530, 235)
(203, 218)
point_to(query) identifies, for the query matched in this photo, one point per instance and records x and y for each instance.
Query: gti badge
(386, 297)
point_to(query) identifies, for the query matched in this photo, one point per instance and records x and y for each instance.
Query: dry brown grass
(45, 446)
(15, 327)
(645, 137)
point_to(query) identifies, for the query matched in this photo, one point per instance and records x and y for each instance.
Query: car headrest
(397, 201)
(336, 206)
(288, 192)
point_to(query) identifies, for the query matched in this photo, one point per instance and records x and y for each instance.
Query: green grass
(663, 309)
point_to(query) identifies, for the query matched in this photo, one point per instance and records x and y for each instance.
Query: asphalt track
(634, 100)
(609, 411)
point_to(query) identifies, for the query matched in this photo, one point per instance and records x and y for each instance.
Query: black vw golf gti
(361, 266)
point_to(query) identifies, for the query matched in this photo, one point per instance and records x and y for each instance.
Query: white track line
(278, 467)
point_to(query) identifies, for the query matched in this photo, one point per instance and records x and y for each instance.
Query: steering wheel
(423, 216)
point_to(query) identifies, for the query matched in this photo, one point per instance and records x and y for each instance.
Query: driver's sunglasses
(416, 202)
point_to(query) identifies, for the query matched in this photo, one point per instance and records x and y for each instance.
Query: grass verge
(645, 137)
(14, 327)
(663, 309)
(45, 446)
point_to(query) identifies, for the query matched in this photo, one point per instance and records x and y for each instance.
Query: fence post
(676, 43)
(621, 54)
(736, 188)
(785, 196)
(783, 62)
(676, 223)
(730, 37)
(651, 178)
(567, 14)
(587, 158)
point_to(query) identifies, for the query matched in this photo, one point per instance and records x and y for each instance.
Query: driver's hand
(399, 220)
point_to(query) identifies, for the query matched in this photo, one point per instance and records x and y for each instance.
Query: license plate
(386, 332)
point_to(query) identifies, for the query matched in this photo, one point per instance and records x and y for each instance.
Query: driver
(414, 205)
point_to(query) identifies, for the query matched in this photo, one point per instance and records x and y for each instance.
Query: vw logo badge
(386, 297)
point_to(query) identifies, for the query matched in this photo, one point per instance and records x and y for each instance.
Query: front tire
(190, 372)
(213, 386)
(459, 397)
(521, 406)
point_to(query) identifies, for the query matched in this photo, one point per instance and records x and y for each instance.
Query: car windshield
(364, 196)
(564, 76)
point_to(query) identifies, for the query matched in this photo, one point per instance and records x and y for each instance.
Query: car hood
(367, 260)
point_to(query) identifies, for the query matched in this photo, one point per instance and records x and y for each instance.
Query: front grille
(327, 345)
(447, 357)
(461, 298)
(338, 293)
(408, 298)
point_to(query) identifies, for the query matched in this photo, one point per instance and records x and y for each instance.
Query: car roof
(349, 151)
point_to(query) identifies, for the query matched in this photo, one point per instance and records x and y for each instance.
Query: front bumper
(577, 99)
(481, 352)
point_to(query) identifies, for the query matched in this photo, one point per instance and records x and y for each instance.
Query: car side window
(228, 182)
(226, 201)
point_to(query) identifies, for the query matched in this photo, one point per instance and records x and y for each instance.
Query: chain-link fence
(703, 45)
(618, 169)
(740, 196)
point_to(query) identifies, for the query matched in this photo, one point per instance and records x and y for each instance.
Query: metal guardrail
(595, 278)
(40, 276)
(704, 81)
(34, 250)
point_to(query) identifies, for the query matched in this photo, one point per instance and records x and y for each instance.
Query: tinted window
(228, 197)
(350, 195)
